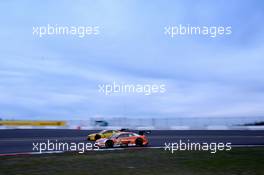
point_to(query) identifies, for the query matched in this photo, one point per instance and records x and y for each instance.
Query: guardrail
(31, 123)
(140, 124)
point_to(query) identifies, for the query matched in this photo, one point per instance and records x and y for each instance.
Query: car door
(123, 139)
(108, 133)
(132, 138)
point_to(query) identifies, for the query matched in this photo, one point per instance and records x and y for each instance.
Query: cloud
(58, 77)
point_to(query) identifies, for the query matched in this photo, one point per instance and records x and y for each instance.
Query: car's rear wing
(144, 132)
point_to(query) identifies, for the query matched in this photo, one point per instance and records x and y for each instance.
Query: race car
(123, 139)
(101, 134)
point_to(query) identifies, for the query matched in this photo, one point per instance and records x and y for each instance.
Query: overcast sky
(57, 77)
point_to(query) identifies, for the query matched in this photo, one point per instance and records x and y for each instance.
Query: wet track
(21, 141)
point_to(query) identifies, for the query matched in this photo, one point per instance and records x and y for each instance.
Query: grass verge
(242, 161)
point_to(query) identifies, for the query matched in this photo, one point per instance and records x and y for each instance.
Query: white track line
(108, 149)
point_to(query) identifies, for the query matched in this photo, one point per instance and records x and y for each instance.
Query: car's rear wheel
(109, 144)
(139, 142)
(96, 137)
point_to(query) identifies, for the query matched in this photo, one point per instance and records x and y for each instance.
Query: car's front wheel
(109, 144)
(97, 136)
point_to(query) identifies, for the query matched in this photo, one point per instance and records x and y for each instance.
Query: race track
(20, 140)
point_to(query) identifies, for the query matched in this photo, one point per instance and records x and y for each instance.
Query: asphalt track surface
(21, 140)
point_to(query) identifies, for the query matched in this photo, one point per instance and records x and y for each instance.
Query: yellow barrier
(32, 123)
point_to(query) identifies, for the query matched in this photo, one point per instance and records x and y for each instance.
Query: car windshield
(103, 131)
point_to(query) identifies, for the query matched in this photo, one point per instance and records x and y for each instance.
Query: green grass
(241, 161)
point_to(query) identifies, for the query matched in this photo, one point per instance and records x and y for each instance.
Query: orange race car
(123, 139)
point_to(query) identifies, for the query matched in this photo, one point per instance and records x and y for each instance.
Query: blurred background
(210, 82)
